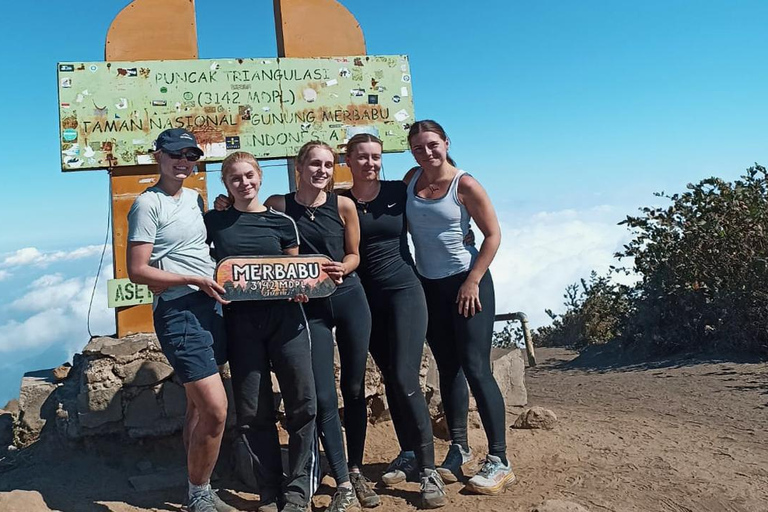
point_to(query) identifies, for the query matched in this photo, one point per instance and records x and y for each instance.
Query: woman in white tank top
(441, 201)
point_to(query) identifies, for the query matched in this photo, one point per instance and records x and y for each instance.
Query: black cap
(176, 139)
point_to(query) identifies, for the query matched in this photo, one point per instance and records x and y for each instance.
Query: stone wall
(126, 387)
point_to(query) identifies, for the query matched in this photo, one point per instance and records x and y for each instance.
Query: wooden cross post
(167, 30)
(145, 30)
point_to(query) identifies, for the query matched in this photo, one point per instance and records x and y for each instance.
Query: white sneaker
(493, 478)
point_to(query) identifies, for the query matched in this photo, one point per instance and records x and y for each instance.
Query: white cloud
(50, 292)
(58, 310)
(33, 256)
(543, 253)
(4, 274)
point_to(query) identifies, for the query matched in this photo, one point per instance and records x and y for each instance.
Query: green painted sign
(111, 112)
(122, 292)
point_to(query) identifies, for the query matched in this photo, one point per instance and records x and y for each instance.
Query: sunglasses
(191, 156)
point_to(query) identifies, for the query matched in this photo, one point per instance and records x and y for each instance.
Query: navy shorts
(192, 335)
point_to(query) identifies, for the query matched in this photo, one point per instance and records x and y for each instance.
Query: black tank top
(385, 259)
(321, 230)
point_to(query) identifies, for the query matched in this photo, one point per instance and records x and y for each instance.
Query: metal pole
(523, 319)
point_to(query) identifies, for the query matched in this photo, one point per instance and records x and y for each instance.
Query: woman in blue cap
(167, 250)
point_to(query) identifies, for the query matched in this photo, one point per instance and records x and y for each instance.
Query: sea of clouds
(45, 295)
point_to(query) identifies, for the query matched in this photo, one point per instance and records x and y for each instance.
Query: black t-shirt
(321, 230)
(385, 259)
(236, 233)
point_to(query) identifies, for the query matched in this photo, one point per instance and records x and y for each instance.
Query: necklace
(365, 202)
(310, 209)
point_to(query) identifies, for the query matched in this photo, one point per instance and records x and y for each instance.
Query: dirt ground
(681, 435)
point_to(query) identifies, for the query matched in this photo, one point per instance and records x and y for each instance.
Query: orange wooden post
(145, 30)
(317, 28)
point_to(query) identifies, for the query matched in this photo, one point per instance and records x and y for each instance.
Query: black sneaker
(364, 490)
(450, 469)
(432, 489)
(401, 469)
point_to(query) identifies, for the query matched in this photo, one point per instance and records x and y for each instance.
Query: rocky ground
(682, 435)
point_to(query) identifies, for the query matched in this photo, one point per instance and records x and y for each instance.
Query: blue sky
(570, 113)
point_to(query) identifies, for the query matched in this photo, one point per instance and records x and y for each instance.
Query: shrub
(702, 264)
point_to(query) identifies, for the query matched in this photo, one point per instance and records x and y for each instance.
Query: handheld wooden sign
(274, 277)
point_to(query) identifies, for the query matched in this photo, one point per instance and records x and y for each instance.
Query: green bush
(702, 265)
(594, 314)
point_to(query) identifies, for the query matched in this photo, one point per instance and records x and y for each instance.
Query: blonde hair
(303, 154)
(236, 157)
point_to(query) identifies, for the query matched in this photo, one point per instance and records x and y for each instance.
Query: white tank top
(438, 228)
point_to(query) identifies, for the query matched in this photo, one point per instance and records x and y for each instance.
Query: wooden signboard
(111, 112)
(274, 277)
(123, 292)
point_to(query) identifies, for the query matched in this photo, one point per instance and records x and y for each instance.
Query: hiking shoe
(493, 478)
(202, 502)
(220, 505)
(401, 469)
(364, 490)
(432, 489)
(344, 500)
(450, 469)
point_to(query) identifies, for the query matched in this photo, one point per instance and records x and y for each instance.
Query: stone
(12, 407)
(62, 372)
(378, 409)
(143, 373)
(23, 501)
(559, 506)
(99, 407)
(143, 411)
(125, 347)
(508, 369)
(97, 400)
(536, 417)
(101, 371)
(174, 400)
(36, 405)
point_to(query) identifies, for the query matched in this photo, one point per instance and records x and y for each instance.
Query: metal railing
(523, 319)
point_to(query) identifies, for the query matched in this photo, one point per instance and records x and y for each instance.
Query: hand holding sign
(276, 277)
(335, 270)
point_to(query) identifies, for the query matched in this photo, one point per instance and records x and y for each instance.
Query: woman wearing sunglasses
(167, 250)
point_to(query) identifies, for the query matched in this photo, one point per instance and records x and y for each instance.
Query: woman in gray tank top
(440, 202)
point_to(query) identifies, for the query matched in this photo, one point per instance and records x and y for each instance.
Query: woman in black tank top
(399, 315)
(328, 225)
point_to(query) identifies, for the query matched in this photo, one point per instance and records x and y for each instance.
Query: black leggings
(399, 326)
(462, 350)
(274, 336)
(347, 310)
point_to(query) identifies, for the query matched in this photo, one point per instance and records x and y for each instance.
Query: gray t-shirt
(175, 228)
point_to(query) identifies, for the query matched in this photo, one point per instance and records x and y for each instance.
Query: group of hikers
(385, 304)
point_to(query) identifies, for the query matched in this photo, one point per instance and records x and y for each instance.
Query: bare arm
(276, 202)
(351, 260)
(474, 197)
(141, 272)
(409, 175)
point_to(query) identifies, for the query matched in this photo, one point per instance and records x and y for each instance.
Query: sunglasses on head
(191, 156)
